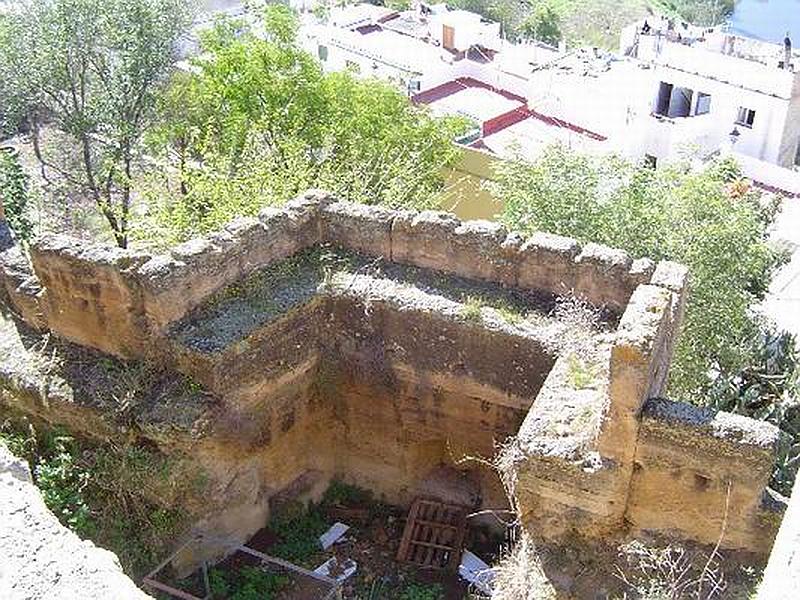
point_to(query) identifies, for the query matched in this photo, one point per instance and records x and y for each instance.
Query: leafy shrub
(346, 494)
(259, 120)
(99, 491)
(63, 484)
(471, 310)
(14, 194)
(299, 534)
(698, 12)
(673, 213)
(768, 389)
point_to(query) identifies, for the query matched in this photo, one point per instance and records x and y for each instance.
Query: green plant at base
(63, 485)
(54, 460)
(345, 494)
(471, 310)
(249, 583)
(418, 591)
(581, 374)
(99, 491)
(218, 583)
(299, 534)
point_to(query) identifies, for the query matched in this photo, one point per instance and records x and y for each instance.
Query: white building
(667, 94)
(710, 85)
(420, 49)
(689, 93)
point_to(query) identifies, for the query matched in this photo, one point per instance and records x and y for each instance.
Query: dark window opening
(745, 117)
(673, 101)
(680, 102)
(703, 106)
(322, 52)
(662, 102)
(650, 161)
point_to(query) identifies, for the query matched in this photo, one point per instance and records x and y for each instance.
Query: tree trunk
(102, 199)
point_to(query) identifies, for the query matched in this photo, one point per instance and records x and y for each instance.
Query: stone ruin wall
(302, 398)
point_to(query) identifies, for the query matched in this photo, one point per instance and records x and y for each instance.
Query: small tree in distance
(543, 25)
(256, 121)
(91, 69)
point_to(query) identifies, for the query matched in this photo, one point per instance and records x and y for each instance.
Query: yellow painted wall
(465, 195)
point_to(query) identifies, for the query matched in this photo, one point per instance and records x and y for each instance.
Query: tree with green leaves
(543, 25)
(255, 121)
(697, 12)
(90, 69)
(707, 219)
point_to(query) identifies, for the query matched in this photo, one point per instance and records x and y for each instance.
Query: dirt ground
(372, 542)
(575, 569)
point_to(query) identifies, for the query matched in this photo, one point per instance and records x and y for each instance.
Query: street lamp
(734, 136)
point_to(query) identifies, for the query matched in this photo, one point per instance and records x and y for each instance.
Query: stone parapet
(703, 473)
(88, 296)
(600, 457)
(450, 328)
(175, 283)
(142, 294)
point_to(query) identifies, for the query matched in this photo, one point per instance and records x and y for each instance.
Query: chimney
(787, 52)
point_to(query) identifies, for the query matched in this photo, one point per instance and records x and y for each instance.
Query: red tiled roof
(505, 120)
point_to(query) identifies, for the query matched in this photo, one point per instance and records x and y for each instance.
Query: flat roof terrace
(508, 125)
(477, 103)
(401, 51)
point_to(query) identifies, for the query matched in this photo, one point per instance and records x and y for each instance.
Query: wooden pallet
(434, 535)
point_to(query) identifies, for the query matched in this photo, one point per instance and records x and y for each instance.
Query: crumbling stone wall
(382, 372)
(709, 470)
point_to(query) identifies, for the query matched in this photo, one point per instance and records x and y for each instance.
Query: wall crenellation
(419, 367)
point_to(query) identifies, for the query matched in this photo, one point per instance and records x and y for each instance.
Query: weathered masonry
(382, 346)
